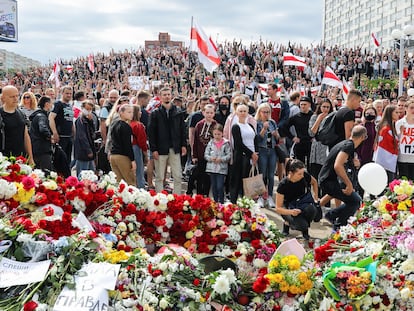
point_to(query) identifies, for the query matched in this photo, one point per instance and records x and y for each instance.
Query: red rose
(196, 282)
(30, 306)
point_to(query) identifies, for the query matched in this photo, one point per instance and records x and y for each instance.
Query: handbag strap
(254, 170)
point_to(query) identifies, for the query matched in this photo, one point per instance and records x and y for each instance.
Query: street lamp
(401, 35)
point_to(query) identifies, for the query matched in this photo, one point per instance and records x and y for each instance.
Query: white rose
(164, 304)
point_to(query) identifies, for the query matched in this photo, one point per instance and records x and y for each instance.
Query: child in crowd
(217, 155)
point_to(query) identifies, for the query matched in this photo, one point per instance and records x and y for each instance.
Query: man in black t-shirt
(61, 122)
(334, 177)
(16, 135)
(345, 116)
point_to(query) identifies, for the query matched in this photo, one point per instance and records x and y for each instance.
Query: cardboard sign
(14, 273)
(91, 300)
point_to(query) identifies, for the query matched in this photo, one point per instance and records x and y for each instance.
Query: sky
(50, 29)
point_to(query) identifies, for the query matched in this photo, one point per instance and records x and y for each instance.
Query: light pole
(400, 35)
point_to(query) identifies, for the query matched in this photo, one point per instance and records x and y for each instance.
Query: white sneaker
(270, 202)
(260, 202)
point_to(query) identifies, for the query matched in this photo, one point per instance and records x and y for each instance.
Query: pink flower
(71, 181)
(394, 183)
(212, 223)
(198, 233)
(28, 183)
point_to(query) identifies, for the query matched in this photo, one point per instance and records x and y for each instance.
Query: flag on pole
(91, 64)
(207, 51)
(345, 88)
(330, 78)
(375, 40)
(291, 60)
(55, 73)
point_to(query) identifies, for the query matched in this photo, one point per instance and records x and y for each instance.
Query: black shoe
(285, 231)
(319, 214)
(329, 217)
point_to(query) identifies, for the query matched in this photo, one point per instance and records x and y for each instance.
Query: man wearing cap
(300, 121)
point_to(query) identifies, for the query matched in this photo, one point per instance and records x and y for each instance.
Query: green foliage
(370, 84)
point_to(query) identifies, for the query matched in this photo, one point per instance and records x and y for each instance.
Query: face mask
(369, 117)
(85, 112)
(223, 107)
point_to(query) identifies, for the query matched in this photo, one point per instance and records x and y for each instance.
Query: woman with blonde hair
(112, 117)
(28, 103)
(267, 137)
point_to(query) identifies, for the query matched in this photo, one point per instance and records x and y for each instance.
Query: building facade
(164, 41)
(349, 23)
(10, 60)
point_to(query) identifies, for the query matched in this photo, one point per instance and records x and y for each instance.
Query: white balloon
(372, 177)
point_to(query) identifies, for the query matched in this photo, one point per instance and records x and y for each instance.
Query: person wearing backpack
(15, 139)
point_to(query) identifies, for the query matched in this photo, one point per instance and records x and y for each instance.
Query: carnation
(222, 285)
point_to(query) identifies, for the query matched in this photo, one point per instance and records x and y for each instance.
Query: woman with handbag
(244, 151)
(294, 198)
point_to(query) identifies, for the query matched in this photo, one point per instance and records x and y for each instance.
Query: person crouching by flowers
(122, 155)
(294, 199)
(84, 146)
(217, 155)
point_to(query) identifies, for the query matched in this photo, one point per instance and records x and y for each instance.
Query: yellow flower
(294, 263)
(274, 264)
(254, 226)
(22, 195)
(114, 256)
(303, 277)
(404, 205)
(275, 277)
(284, 286)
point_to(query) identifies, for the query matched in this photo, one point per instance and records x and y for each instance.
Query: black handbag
(303, 201)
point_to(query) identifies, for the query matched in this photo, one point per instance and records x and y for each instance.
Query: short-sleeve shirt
(104, 113)
(64, 118)
(293, 190)
(343, 115)
(14, 128)
(328, 172)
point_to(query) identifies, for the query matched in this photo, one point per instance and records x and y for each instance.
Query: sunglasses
(26, 97)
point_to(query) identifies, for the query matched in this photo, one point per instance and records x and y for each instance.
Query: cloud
(67, 29)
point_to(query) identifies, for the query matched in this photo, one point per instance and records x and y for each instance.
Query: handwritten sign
(92, 300)
(92, 283)
(407, 140)
(14, 273)
(137, 82)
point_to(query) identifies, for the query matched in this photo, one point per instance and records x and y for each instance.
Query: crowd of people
(211, 129)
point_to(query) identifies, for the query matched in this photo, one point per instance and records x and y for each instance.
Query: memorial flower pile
(180, 252)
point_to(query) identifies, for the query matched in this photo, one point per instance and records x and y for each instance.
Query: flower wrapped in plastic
(352, 281)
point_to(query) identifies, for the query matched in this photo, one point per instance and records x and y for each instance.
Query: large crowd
(139, 112)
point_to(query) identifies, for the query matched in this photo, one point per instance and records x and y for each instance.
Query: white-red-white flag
(291, 60)
(330, 78)
(375, 40)
(91, 63)
(315, 90)
(55, 73)
(207, 51)
(345, 88)
(69, 68)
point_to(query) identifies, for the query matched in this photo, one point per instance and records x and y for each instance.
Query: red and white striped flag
(330, 78)
(55, 73)
(91, 64)
(375, 40)
(345, 88)
(207, 51)
(69, 68)
(291, 60)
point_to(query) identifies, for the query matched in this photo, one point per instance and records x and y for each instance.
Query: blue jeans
(267, 167)
(84, 166)
(217, 186)
(350, 204)
(139, 173)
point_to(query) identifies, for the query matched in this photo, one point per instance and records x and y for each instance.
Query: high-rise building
(10, 60)
(350, 23)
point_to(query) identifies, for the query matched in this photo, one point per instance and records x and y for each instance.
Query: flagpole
(191, 44)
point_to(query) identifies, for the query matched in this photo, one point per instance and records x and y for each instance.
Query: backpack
(327, 130)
